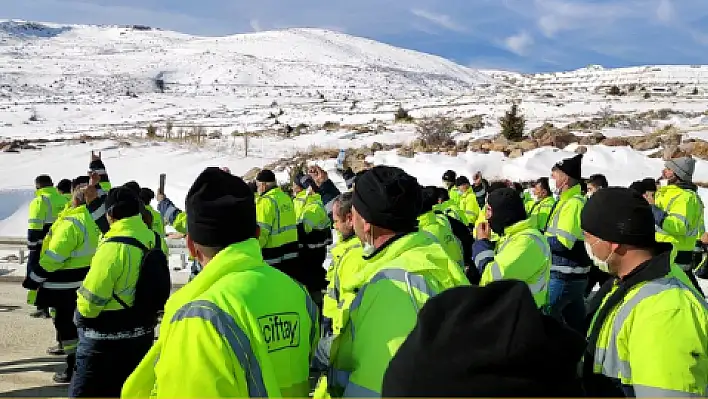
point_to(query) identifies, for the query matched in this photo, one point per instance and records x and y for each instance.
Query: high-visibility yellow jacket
(275, 214)
(451, 209)
(528, 201)
(540, 212)
(114, 270)
(677, 215)
(311, 214)
(158, 224)
(239, 329)
(379, 308)
(469, 205)
(565, 236)
(67, 251)
(653, 341)
(522, 253)
(44, 210)
(440, 228)
(347, 261)
(454, 194)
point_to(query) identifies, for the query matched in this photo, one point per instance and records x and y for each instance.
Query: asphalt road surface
(25, 368)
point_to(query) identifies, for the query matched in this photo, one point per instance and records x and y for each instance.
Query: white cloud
(554, 16)
(665, 11)
(442, 20)
(519, 44)
(255, 25)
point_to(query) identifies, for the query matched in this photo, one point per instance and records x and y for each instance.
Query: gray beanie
(682, 167)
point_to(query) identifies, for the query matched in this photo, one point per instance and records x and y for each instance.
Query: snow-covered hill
(59, 60)
(655, 80)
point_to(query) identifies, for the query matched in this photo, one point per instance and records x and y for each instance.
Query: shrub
(436, 131)
(695, 91)
(647, 96)
(471, 124)
(614, 91)
(329, 125)
(151, 132)
(512, 124)
(402, 116)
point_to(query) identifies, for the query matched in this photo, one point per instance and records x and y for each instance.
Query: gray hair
(78, 195)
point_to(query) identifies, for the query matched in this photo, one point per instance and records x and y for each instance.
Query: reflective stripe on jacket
(469, 205)
(522, 253)
(275, 214)
(379, 309)
(346, 262)
(239, 329)
(681, 217)
(565, 237)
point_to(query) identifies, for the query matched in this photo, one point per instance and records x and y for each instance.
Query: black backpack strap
(158, 241)
(127, 241)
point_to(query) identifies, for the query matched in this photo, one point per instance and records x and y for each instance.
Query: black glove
(30, 284)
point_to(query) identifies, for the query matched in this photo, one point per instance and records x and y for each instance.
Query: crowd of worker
(559, 287)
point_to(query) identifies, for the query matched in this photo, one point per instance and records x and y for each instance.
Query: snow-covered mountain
(56, 60)
(653, 79)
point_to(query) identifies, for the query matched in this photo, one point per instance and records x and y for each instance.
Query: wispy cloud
(665, 11)
(441, 20)
(520, 43)
(255, 25)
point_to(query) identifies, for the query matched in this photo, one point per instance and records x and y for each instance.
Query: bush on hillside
(695, 91)
(402, 116)
(512, 124)
(437, 131)
(647, 96)
(614, 91)
(151, 132)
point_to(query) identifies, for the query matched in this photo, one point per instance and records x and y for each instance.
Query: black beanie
(220, 209)
(64, 186)
(388, 197)
(97, 166)
(121, 203)
(507, 209)
(637, 186)
(133, 186)
(449, 176)
(649, 184)
(571, 166)
(496, 185)
(146, 195)
(265, 176)
(489, 341)
(462, 180)
(621, 216)
(430, 198)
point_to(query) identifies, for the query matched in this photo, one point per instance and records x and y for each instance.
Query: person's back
(440, 229)
(276, 218)
(255, 326)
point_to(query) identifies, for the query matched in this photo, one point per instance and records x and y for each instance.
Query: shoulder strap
(128, 241)
(158, 241)
(550, 215)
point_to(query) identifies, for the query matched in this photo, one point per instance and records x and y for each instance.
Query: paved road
(25, 368)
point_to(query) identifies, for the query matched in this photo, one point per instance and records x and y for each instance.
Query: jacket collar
(517, 227)
(571, 192)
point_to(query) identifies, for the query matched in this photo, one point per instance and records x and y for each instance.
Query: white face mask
(552, 184)
(664, 182)
(601, 264)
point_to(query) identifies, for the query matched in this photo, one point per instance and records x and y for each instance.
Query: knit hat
(97, 166)
(388, 197)
(570, 166)
(122, 202)
(430, 198)
(64, 186)
(489, 341)
(304, 181)
(449, 176)
(265, 176)
(496, 185)
(683, 168)
(619, 215)
(638, 186)
(146, 195)
(133, 186)
(507, 209)
(649, 184)
(462, 180)
(221, 209)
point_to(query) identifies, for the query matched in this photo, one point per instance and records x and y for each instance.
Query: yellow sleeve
(97, 289)
(37, 214)
(678, 217)
(568, 230)
(180, 223)
(64, 239)
(265, 216)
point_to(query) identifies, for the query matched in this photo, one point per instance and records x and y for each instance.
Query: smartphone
(163, 177)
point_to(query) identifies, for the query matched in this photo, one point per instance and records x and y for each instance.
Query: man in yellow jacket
(64, 262)
(113, 338)
(158, 225)
(314, 233)
(380, 303)
(468, 201)
(570, 263)
(275, 212)
(541, 209)
(43, 211)
(439, 226)
(449, 178)
(241, 328)
(522, 253)
(678, 212)
(648, 335)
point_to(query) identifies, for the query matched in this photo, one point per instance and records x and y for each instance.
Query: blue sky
(521, 35)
